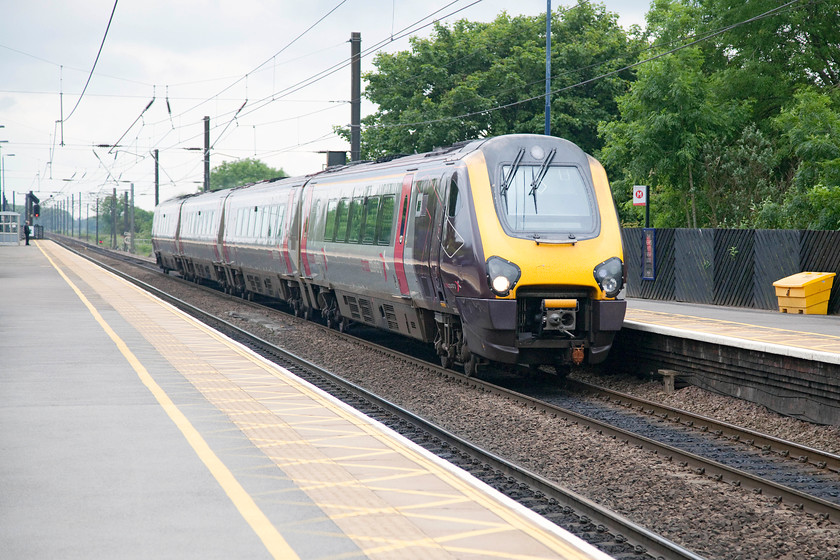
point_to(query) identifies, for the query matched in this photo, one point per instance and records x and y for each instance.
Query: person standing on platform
(26, 232)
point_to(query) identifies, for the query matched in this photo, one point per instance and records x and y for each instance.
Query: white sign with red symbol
(640, 195)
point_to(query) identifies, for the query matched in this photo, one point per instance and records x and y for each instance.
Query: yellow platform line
(253, 515)
(334, 482)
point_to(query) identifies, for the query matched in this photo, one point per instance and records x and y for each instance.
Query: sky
(282, 64)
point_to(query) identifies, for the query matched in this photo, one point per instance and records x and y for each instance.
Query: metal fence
(732, 267)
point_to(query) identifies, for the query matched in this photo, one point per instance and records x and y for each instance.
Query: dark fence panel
(734, 257)
(729, 267)
(631, 238)
(776, 257)
(694, 264)
(820, 252)
(662, 287)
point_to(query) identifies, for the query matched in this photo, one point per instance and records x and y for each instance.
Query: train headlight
(502, 275)
(610, 276)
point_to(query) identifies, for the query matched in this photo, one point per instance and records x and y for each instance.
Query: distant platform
(789, 363)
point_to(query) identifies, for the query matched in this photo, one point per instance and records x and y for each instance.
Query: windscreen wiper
(540, 176)
(503, 189)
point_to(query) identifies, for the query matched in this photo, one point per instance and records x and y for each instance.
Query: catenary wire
(102, 44)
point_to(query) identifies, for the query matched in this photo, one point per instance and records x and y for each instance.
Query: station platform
(788, 363)
(130, 430)
(812, 337)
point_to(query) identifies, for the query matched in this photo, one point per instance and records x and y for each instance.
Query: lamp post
(3, 180)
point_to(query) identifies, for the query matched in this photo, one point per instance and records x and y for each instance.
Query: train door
(445, 242)
(444, 286)
(401, 235)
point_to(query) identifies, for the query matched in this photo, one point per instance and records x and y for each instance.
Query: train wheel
(446, 362)
(471, 366)
(562, 369)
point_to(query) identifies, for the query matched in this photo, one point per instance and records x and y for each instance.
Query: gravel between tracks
(713, 519)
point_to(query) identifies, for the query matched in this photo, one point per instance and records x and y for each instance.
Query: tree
(669, 115)
(710, 127)
(484, 79)
(810, 138)
(241, 172)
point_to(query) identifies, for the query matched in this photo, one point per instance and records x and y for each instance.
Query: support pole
(125, 211)
(206, 154)
(548, 68)
(157, 178)
(355, 96)
(131, 225)
(114, 220)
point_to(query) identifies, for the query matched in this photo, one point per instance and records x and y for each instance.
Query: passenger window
(264, 223)
(252, 224)
(371, 215)
(329, 227)
(281, 212)
(341, 220)
(312, 226)
(355, 227)
(386, 220)
(402, 218)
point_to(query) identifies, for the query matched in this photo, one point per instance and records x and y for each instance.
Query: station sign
(640, 195)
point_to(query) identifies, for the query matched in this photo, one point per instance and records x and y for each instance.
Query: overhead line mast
(355, 96)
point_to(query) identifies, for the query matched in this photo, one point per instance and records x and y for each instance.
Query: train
(502, 251)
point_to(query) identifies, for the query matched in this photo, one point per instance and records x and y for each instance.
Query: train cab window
(355, 221)
(454, 201)
(554, 199)
(386, 220)
(341, 220)
(371, 215)
(329, 227)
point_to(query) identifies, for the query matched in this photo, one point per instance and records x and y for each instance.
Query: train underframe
(540, 327)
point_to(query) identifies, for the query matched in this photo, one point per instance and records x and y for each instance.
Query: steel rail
(643, 540)
(801, 453)
(700, 465)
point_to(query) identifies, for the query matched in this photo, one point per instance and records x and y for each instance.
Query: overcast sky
(207, 57)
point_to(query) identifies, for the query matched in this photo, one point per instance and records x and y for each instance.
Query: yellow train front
(533, 263)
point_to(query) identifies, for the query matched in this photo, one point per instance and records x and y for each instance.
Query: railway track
(605, 529)
(785, 453)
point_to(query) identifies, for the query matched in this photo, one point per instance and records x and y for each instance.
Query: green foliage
(241, 172)
(450, 86)
(742, 130)
(667, 118)
(810, 142)
(733, 120)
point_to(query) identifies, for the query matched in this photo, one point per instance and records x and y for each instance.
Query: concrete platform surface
(809, 337)
(129, 430)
